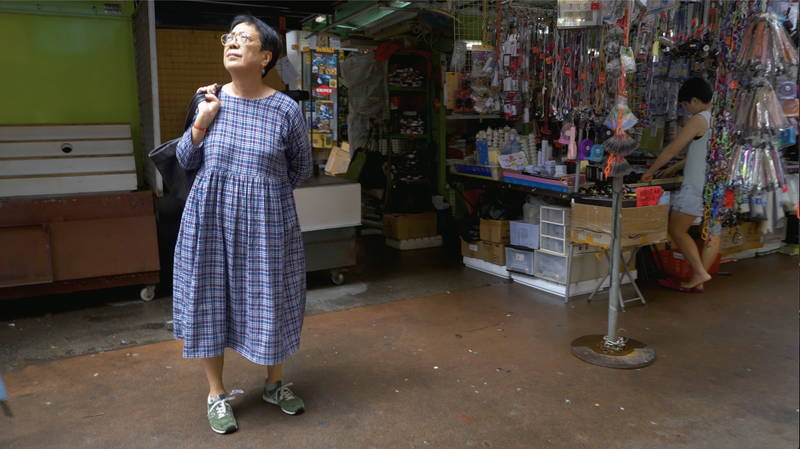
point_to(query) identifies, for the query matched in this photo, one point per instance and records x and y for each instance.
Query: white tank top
(694, 172)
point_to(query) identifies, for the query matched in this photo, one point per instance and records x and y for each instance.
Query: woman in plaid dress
(239, 277)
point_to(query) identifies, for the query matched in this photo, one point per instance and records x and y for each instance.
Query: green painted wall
(65, 69)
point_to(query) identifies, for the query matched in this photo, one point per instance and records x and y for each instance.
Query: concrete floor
(35, 330)
(479, 366)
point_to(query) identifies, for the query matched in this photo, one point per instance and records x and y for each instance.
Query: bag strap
(196, 100)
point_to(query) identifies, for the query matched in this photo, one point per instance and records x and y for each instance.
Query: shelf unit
(409, 156)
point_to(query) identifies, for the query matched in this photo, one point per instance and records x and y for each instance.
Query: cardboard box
(470, 249)
(492, 252)
(524, 234)
(409, 226)
(640, 225)
(745, 236)
(338, 160)
(495, 231)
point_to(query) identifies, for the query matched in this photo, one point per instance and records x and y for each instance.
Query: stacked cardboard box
(495, 235)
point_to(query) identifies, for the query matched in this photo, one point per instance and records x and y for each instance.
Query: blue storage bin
(524, 234)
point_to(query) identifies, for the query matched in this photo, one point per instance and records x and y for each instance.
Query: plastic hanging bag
(627, 59)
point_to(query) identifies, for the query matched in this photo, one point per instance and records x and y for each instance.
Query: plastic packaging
(758, 111)
(766, 48)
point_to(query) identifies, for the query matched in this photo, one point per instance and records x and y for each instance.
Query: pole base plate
(634, 354)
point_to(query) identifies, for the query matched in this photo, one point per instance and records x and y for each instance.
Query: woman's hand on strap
(208, 109)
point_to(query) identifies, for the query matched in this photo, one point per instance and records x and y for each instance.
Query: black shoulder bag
(177, 179)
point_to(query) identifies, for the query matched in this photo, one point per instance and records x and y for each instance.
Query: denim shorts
(688, 200)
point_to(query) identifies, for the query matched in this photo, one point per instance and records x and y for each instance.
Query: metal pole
(613, 294)
(577, 185)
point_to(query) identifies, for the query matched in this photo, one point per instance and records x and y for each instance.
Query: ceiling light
(320, 19)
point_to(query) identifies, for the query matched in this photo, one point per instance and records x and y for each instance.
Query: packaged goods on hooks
(406, 77)
(484, 82)
(759, 114)
(745, 167)
(756, 169)
(766, 48)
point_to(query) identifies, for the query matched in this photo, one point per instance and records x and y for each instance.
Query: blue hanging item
(597, 153)
(788, 137)
(585, 149)
(482, 148)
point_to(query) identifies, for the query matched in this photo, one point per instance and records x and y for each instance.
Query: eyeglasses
(241, 38)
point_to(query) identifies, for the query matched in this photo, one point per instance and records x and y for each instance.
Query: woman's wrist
(203, 121)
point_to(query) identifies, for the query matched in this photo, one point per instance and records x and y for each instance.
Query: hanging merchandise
(576, 73)
(578, 13)
(721, 202)
(756, 169)
(484, 81)
(321, 77)
(758, 112)
(621, 144)
(760, 120)
(766, 48)
(612, 11)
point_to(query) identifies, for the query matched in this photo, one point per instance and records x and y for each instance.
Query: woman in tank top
(687, 205)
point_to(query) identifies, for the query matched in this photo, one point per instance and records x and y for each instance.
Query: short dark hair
(270, 39)
(695, 88)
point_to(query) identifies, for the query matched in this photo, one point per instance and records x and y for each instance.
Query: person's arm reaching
(696, 126)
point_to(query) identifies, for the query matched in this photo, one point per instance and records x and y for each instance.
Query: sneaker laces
(284, 393)
(220, 407)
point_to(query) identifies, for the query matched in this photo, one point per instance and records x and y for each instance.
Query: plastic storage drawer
(525, 234)
(550, 266)
(519, 260)
(551, 245)
(555, 215)
(553, 230)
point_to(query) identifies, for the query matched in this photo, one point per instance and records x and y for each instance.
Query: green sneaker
(220, 415)
(283, 397)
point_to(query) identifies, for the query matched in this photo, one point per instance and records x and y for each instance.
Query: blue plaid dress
(239, 277)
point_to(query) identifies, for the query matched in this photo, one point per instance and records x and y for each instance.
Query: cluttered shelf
(473, 116)
(407, 89)
(409, 136)
(564, 186)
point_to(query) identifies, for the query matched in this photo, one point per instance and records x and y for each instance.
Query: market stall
(535, 105)
(568, 81)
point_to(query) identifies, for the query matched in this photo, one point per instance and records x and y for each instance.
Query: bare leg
(709, 254)
(679, 231)
(213, 368)
(275, 373)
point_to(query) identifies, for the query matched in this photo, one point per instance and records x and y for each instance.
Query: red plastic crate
(674, 265)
